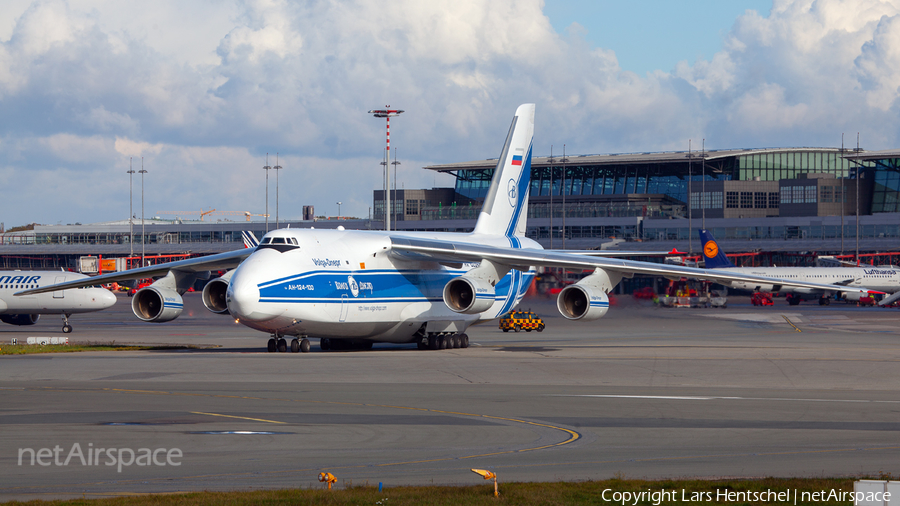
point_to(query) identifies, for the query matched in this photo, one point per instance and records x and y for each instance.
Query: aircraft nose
(104, 298)
(242, 298)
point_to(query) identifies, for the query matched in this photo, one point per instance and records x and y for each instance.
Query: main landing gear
(279, 344)
(448, 342)
(67, 329)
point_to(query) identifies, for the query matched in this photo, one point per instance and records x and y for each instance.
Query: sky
(200, 91)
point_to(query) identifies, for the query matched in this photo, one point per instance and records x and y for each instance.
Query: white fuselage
(883, 279)
(77, 300)
(345, 284)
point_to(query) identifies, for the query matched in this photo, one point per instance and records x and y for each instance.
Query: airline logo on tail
(710, 249)
(250, 240)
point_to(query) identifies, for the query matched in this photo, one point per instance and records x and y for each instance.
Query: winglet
(713, 256)
(506, 204)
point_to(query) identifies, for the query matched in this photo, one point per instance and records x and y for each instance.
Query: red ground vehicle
(761, 299)
(867, 301)
(143, 283)
(645, 293)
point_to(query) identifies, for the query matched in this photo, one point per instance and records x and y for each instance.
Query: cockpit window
(279, 243)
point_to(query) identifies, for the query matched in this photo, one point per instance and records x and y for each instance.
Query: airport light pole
(267, 168)
(277, 168)
(564, 189)
(551, 195)
(131, 205)
(690, 204)
(703, 185)
(387, 113)
(395, 163)
(339, 210)
(143, 235)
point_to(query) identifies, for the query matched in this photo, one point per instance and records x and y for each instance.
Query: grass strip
(817, 491)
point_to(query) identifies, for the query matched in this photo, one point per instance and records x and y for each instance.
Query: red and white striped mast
(386, 113)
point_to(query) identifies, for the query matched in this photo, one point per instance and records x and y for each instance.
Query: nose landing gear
(67, 329)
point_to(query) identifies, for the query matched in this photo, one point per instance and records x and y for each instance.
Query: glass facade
(774, 166)
(670, 178)
(886, 192)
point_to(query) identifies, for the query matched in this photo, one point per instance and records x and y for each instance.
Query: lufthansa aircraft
(27, 309)
(355, 288)
(882, 279)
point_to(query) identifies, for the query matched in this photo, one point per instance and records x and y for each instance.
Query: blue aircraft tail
(713, 256)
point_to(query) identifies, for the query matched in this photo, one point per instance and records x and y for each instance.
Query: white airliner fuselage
(23, 310)
(345, 284)
(883, 279)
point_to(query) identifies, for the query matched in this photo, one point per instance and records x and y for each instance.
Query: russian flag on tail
(517, 160)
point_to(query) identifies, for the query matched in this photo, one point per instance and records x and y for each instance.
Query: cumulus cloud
(204, 89)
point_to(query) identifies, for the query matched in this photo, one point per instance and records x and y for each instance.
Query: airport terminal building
(776, 196)
(788, 200)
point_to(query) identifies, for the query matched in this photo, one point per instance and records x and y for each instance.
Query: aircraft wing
(216, 262)
(455, 252)
(616, 253)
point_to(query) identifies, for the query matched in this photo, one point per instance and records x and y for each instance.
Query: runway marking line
(790, 323)
(573, 435)
(239, 417)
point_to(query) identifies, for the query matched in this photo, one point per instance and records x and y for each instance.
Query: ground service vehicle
(521, 320)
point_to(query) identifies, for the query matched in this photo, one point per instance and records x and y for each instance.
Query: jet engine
(587, 299)
(20, 319)
(469, 295)
(214, 293)
(157, 304)
(580, 302)
(853, 296)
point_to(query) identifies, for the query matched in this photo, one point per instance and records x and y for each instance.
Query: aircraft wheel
(518, 327)
(271, 346)
(442, 342)
(304, 345)
(295, 345)
(434, 343)
(827, 301)
(463, 340)
(282, 345)
(454, 342)
(325, 344)
(67, 329)
(421, 345)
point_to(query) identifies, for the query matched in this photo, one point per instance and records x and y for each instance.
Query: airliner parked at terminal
(882, 279)
(361, 287)
(26, 310)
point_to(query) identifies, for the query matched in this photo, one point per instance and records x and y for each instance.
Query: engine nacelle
(20, 319)
(214, 294)
(469, 295)
(157, 304)
(853, 296)
(582, 302)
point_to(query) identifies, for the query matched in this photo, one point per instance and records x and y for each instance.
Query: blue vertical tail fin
(713, 256)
